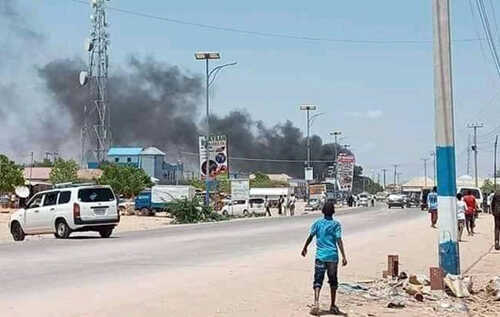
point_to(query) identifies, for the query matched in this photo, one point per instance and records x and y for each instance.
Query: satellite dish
(94, 3)
(92, 18)
(22, 191)
(89, 45)
(84, 78)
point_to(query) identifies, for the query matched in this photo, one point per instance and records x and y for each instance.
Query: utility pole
(308, 178)
(433, 154)
(399, 177)
(469, 146)
(31, 167)
(425, 171)
(384, 170)
(495, 165)
(449, 255)
(395, 174)
(475, 126)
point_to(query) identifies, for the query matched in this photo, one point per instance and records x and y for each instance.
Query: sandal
(315, 310)
(335, 310)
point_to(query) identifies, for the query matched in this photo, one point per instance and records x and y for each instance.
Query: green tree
(64, 172)
(125, 180)
(10, 175)
(488, 186)
(44, 163)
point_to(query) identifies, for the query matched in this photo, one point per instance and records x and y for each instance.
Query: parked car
(314, 204)
(244, 208)
(396, 201)
(381, 196)
(364, 199)
(476, 192)
(62, 211)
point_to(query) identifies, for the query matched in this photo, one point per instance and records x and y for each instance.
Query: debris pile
(450, 294)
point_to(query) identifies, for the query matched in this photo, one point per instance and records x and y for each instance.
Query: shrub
(191, 211)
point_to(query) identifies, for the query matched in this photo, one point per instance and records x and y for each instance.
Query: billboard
(345, 171)
(218, 165)
(240, 189)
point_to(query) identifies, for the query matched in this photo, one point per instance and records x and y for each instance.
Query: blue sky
(379, 95)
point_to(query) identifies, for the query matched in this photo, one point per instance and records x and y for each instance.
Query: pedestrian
(432, 203)
(373, 201)
(489, 200)
(292, 203)
(280, 205)
(460, 215)
(267, 205)
(328, 234)
(495, 210)
(470, 212)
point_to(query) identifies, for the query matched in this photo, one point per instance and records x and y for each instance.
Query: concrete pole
(425, 171)
(449, 255)
(384, 170)
(207, 154)
(495, 165)
(395, 174)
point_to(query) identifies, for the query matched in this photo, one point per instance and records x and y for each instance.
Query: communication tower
(96, 130)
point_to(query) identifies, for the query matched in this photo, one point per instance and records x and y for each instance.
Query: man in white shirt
(460, 215)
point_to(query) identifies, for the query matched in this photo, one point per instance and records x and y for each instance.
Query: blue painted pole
(449, 255)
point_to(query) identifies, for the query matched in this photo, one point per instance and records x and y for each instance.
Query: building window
(117, 159)
(129, 159)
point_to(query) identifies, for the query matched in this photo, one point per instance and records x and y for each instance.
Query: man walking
(328, 234)
(280, 205)
(432, 203)
(267, 204)
(495, 210)
(460, 216)
(292, 202)
(470, 212)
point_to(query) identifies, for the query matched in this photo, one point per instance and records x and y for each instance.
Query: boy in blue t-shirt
(328, 233)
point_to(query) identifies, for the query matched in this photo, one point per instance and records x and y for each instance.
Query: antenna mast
(96, 131)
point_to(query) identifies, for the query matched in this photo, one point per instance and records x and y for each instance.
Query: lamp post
(308, 178)
(207, 56)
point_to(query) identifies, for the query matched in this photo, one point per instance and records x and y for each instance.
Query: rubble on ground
(397, 293)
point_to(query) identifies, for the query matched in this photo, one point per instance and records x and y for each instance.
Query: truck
(159, 197)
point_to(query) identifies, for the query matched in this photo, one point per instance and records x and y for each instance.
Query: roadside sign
(240, 189)
(309, 174)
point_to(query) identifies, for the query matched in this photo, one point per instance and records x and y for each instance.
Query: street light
(206, 56)
(308, 175)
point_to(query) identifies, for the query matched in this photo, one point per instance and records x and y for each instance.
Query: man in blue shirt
(328, 233)
(432, 202)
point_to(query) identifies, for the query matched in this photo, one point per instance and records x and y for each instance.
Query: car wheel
(17, 232)
(62, 230)
(224, 213)
(106, 233)
(245, 213)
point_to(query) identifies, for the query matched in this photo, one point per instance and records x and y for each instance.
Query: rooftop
(117, 151)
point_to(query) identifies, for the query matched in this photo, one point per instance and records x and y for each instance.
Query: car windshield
(92, 195)
(474, 192)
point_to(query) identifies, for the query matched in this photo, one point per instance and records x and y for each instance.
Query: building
(151, 160)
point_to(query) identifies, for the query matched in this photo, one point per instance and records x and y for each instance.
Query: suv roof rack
(68, 185)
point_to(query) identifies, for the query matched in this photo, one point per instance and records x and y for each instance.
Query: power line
(483, 14)
(269, 34)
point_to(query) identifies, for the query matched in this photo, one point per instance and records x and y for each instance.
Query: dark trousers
(469, 223)
(497, 229)
(268, 211)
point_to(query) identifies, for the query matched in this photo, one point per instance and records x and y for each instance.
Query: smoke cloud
(152, 104)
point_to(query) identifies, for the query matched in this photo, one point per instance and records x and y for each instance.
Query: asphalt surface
(35, 266)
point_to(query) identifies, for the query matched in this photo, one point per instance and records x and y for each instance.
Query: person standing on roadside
(267, 205)
(495, 210)
(280, 205)
(292, 202)
(470, 212)
(432, 203)
(328, 234)
(460, 215)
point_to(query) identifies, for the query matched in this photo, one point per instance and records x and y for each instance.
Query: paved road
(36, 266)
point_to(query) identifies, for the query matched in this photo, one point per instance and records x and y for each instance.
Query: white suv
(62, 211)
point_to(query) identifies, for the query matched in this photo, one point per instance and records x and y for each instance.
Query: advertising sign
(240, 189)
(218, 165)
(309, 174)
(345, 170)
